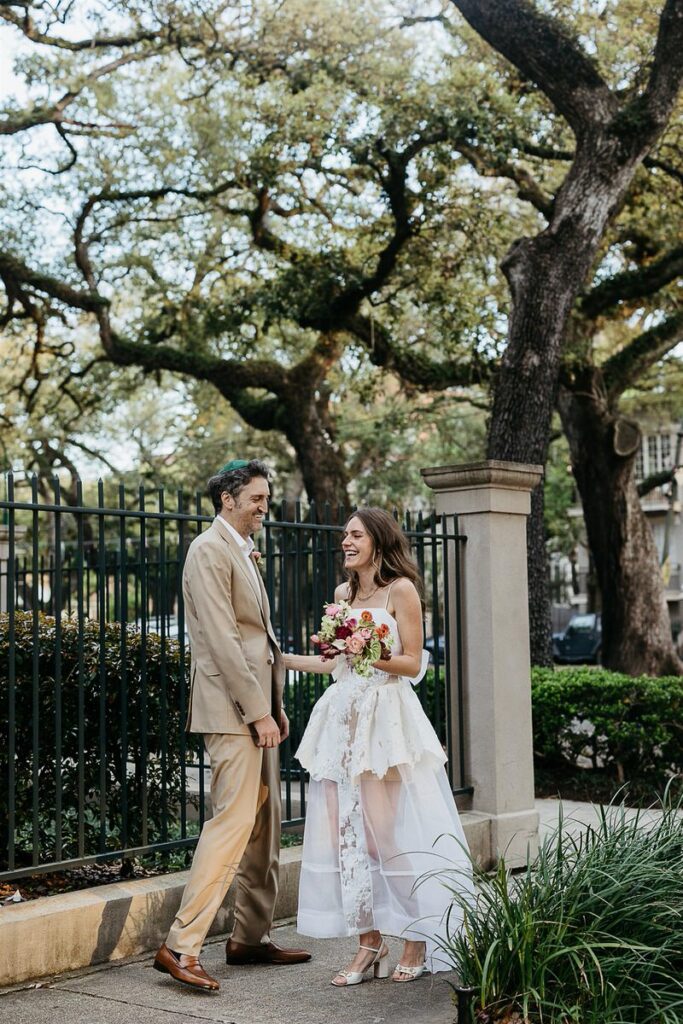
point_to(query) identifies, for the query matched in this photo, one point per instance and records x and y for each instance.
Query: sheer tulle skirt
(371, 848)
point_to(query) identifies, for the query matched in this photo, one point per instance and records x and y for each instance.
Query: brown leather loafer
(185, 969)
(266, 953)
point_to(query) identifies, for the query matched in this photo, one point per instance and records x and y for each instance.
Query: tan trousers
(242, 838)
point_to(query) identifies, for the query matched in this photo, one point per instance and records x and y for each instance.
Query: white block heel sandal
(379, 964)
(412, 972)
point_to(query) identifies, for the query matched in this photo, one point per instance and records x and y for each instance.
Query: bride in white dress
(381, 814)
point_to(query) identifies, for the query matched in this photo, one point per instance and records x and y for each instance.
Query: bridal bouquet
(358, 637)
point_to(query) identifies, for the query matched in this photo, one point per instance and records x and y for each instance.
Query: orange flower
(382, 630)
(366, 617)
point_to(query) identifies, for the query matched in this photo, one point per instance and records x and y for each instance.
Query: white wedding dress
(381, 815)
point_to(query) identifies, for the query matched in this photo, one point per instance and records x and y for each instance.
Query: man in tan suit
(237, 679)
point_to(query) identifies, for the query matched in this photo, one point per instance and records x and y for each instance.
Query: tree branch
(667, 69)
(122, 196)
(625, 366)
(394, 184)
(334, 313)
(527, 186)
(414, 367)
(567, 155)
(633, 284)
(656, 480)
(15, 271)
(27, 26)
(32, 116)
(544, 52)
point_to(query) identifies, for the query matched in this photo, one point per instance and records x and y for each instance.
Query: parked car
(581, 641)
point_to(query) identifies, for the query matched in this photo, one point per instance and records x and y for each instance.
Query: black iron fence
(95, 763)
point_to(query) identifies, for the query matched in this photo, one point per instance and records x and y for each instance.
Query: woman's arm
(313, 662)
(309, 663)
(408, 615)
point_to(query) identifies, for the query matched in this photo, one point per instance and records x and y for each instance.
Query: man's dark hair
(234, 480)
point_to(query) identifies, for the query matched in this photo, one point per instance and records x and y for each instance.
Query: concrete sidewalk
(131, 992)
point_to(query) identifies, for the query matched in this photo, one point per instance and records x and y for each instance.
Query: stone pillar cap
(516, 476)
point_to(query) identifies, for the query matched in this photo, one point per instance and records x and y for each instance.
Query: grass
(592, 933)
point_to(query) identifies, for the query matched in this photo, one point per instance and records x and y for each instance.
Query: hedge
(153, 699)
(599, 730)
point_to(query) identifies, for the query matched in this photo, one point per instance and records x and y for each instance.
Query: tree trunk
(309, 430)
(546, 274)
(636, 629)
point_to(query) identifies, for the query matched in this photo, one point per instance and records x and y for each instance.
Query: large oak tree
(276, 210)
(257, 201)
(614, 126)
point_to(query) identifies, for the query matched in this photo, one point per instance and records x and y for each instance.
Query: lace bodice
(378, 677)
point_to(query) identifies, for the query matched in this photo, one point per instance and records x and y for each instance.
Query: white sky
(10, 43)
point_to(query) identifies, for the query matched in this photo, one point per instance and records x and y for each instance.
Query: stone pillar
(4, 564)
(492, 502)
(6, 585)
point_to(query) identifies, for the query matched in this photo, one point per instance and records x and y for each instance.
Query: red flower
(342, 632)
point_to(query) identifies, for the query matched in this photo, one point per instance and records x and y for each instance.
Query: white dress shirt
(246, 547)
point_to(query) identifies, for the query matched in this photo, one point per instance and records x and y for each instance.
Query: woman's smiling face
(357, 546)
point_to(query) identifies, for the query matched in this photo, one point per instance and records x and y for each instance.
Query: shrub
(622, 729)
(592, 933)
(116, 690)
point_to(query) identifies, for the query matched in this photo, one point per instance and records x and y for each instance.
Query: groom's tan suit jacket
(237, 676)
(237, 670)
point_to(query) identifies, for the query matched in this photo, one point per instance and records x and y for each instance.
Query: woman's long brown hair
(392, 556)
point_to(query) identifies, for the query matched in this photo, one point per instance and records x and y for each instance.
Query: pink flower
(351, 623)
(332, 610)
(365, 633)
(315, 638)
(355, 645)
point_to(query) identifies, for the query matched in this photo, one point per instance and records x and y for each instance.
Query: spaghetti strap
(386, 603)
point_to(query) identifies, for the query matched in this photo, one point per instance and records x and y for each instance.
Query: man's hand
(268, 731)
(284, 727)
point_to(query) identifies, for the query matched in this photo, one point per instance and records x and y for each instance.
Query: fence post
(492, 502)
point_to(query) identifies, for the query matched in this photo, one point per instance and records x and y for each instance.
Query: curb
(55, 934)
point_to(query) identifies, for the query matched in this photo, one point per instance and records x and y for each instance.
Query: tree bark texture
(308, 429)
(636, 629)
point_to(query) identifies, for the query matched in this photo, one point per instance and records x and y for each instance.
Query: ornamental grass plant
(591, 933)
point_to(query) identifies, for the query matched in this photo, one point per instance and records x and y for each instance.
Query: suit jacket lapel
(241, 561)
(257, 585)
(265, 604)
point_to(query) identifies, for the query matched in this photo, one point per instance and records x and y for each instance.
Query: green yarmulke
(234, 464)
